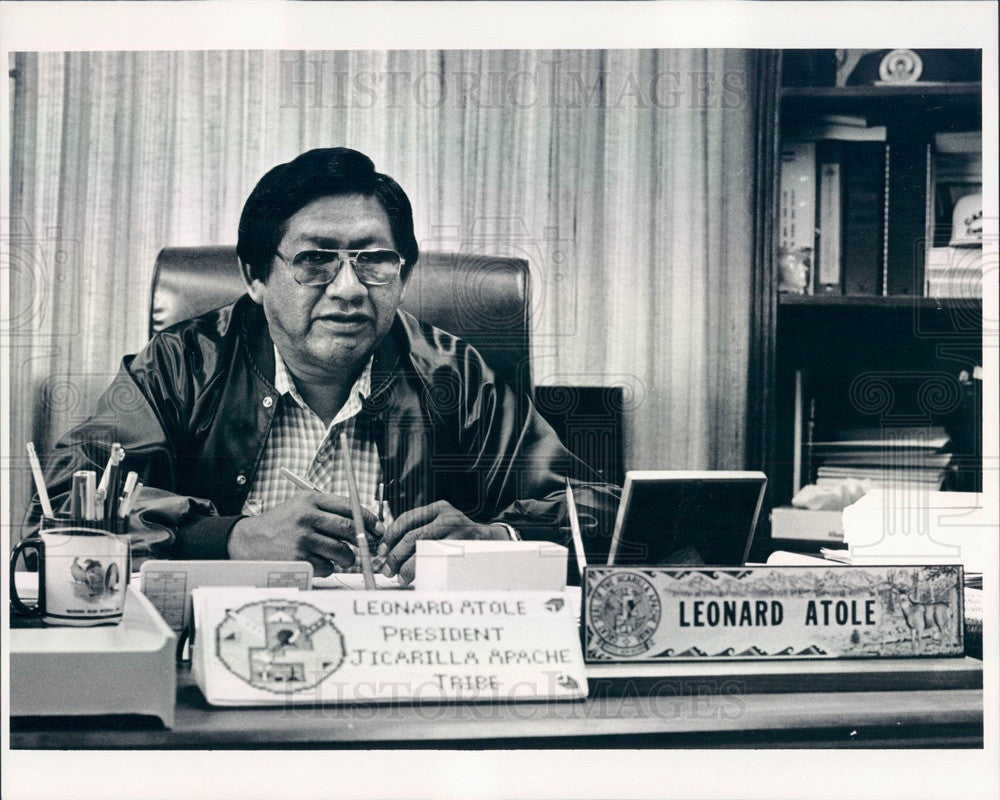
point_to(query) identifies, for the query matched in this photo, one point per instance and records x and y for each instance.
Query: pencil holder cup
(83, 570)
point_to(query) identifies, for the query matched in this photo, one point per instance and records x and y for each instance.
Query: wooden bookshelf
(880, 93)
(909, 109)
(898, 340)
(876, 302)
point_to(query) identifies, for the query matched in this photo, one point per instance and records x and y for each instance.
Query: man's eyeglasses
(377, 267)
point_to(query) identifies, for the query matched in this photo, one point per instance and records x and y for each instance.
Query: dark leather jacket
(194, 407)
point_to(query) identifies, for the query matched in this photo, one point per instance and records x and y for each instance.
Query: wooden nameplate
(754, 613)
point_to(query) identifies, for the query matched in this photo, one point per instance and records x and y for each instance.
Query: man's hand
(439, 520)
(311, 526)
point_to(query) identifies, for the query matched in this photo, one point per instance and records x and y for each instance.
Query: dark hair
(324, 172)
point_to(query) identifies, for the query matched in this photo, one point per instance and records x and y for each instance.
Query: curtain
(625, 177)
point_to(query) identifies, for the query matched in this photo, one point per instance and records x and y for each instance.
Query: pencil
(359, 523)
(90, 494)
(302, 483)
(36, 471)
(126, 507)
(113, 459)
(574, 526)
(111, 507)
(77, 504)
(125, 501)
(130, 481)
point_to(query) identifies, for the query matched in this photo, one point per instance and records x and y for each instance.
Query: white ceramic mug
(83, 571)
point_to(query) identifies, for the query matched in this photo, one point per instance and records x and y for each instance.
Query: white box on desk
(803, 523)
(920, 526)
(128, 668)
(457, 565)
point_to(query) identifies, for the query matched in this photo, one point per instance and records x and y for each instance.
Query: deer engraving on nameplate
(927, 613)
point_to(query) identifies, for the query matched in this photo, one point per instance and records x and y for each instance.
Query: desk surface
(871, 708)
(925, 718)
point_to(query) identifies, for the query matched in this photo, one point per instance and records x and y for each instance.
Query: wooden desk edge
(533, 723)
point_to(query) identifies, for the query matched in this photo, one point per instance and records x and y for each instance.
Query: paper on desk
(354, 580)
(917, 526)
(783, 558)
(460, 565)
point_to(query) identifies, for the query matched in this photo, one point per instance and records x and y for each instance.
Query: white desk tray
(129, 668)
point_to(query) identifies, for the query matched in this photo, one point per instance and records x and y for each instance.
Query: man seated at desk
(211, 409)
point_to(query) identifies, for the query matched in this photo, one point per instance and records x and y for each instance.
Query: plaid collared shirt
(300, 442)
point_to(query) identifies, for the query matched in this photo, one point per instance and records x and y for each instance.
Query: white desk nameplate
(285, 646)
(676, 613)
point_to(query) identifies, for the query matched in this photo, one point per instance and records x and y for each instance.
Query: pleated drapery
(625, 178)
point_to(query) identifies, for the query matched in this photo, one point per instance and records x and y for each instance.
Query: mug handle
(19, 606)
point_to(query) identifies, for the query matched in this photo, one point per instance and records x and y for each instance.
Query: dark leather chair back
(482, 299)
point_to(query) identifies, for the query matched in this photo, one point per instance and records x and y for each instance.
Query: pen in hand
(302, 483)
(359, 529)
(359, 526)
(378, 561)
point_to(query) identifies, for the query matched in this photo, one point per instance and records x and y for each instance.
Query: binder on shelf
(863, 175)
(906, 205)
(808, 452)
(850, 214)
(829, 225)
(934, 437)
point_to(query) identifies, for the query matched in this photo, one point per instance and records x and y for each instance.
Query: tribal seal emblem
(625, 613)
(281, 646)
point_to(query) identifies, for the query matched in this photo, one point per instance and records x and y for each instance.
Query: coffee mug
(83, 571)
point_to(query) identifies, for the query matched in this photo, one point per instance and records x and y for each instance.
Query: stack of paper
(890, 457)
(954, 272)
